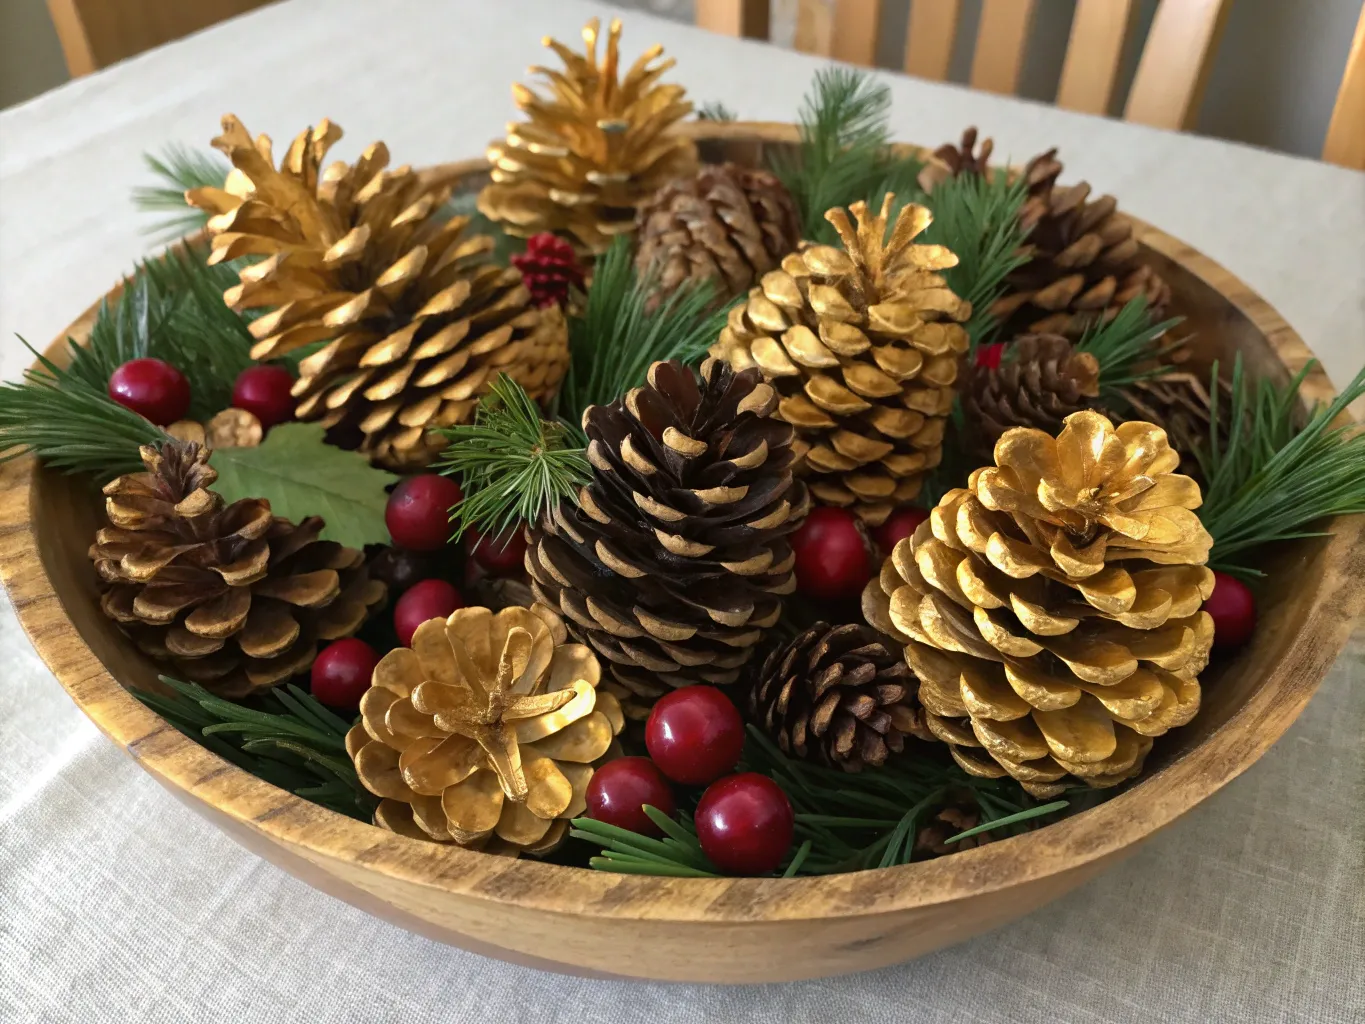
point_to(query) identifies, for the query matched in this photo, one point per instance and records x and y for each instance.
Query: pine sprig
(619, 335)
(512, 464)
(1270, 480)
(841, 824)
(844, 154)
(977, 217)
(284, 736)
(178, 169)
(715, 110)
(1127, 346)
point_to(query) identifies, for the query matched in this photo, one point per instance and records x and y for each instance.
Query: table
(116, 903)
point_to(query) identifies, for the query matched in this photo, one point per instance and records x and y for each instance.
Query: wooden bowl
(721, 930)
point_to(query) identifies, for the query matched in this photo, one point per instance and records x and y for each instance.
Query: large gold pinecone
(1042, 381)
(863, 344)
(674, 561)
(1052, 608)
(726, 224)
(593, 150)
(417, 322)
(837, 695)
(233, 597)
(484, 732)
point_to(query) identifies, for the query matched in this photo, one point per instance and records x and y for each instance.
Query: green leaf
(300, 475)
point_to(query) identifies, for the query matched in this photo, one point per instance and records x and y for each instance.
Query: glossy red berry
(498, 554)
(619, 790)
(152, 388)
(418, 512)
(988, 357)
(833, 554)
(430, 599)
(341, 673)
(899, 524)
(1233, 610)
(695, 735)
(745, 824)
(263, 391)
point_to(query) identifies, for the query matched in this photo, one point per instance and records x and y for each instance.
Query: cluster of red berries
(695, 737)
(156, 390)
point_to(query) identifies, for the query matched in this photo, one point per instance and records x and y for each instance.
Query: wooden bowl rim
(322, 836)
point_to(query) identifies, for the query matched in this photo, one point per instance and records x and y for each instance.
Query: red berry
(619, 790)
(695, 735)
(151, 388)
(263, 391)
(899, 524)
(745, 824)
(988, 356)
(497, 555)
(430, 599)
(341, 673)
(833, 555)
(1233, 610)
(418, 512)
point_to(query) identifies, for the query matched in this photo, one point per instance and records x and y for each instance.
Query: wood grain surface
(721, 930)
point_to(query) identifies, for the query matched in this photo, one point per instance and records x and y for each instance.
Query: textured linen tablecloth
(117, 903)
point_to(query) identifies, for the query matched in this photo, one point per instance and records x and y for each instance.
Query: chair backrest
(96, 33)
(1166, 89)
(1345, 143)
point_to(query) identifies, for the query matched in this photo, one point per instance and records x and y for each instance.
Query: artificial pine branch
(179, 170)
(1270, 480)
(715, 110)
(844, 154)
(512, 464)
(284, 736)
(624, 328)
(1127, 347)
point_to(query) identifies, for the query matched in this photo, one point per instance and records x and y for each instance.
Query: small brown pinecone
(838, 695)
(931, 839)
(1042, 381)
(674, 559)
(949, 161)
(726, 224)
(235, 598)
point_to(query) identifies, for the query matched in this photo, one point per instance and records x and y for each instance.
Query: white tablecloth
(116, 903)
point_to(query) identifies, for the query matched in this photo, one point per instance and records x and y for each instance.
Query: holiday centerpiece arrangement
(627, 508)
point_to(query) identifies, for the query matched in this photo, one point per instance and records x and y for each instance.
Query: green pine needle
(512, 464)
(612, 345)
(1127, 342)
(284, 736)
(1270, 480)
(844, 154)
(179, 170)
(715, 110)
(977, 217)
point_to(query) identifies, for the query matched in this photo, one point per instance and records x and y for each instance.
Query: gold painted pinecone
(417, 322)
(837, 695)
(863, 344)
(1042, 381)
(593, 150)
(233, 597)
(674, 561)
(1052, 609)
(726, 224)
(484, 732)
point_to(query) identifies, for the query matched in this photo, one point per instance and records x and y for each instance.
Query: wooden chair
(96, 33)
(1345, 143)
(1166, 90)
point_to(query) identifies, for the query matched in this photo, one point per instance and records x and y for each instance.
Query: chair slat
(1345, 143)
(929, 37)
(1094, 51)
(748, 18)
(814, 26)
(1000, 43)
(1175, 63)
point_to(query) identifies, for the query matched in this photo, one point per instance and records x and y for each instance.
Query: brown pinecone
(1179, 403)
(726, 224)
(838, 695)
(233, 597)
(674, 560)
(1042, 381)
(1085, 266)
(931, 837)
(948, 161)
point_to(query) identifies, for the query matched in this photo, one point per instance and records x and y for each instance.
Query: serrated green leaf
(302, 476)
